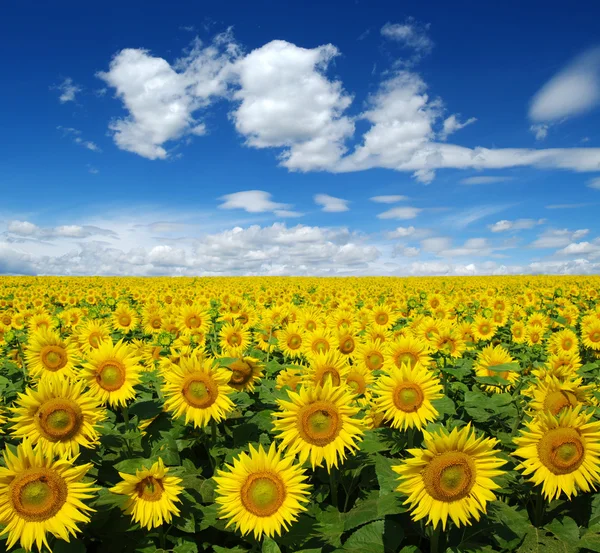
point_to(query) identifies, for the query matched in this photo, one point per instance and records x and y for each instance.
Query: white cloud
(573, 91)
(579, 248)
(594, 183)
(331, 204)
(452, 124)
(558, 238)
(411, 35)
(392, 199)
(566, 206)
(539, 130)
(401, 232)
(406, 251)
(436, 244)
(518, 224)
(286, 101)
(75, 134)
(468, 216)
(400, 213)
(161, 99)
(485, 180)
(68, 90)
(26, 229)
(256, 201)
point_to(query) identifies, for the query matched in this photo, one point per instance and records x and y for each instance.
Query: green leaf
(565, 530)
(445, 406)
(145, 410)
(386, 477)
(187, 547)
(514, 367)
(270, 546)
(129, 466)
(367, 539)
(73, 546)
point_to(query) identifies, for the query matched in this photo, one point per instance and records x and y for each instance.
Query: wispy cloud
(68, 90)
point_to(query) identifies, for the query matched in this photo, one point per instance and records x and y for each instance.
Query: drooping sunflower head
(359, 380)
(40, 495)
(561, 453)
(448, 342)
(246, 372)
(50, 357)
(451, 477)
(494, 356)
(152, 495)
(198, 389)
(262, 493)
(291, 377)
(554, 395)
(58, 416)
(404, 396)
(91, 334)
(319, 424)
(111, 372)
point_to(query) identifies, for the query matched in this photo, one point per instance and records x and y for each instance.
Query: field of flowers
(347, 415)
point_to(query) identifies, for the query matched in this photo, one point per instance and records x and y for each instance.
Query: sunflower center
(94, 340)
(408, 397)
(54, 358)
(328, 374)
(484, 329)
(374, 361)
(111, 375)
(199, 391)
(382, 318)
(555, 402)
(320, 346)
(567, 343)
(595, 336)
(125, 319)
(294, 341)
(193, 321)
(234, 339)
(319, 423)
(449, 476)
(150, 489)
(406, 357)
(59, 419)
(241, 372)
(155, 323)
(347, 345)
(561, 450)
(357, 383)
(263, 493)
(38, 494)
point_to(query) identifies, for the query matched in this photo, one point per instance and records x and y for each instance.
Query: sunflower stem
(434, 539)
(269, 343)
(540, 509)
(162, 537)
(333, 484)
(410, 437)
(213, 431)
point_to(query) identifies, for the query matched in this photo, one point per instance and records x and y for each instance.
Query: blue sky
(321, 138)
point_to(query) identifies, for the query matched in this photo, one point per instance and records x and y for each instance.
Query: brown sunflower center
(59, 419)
(38, 494)
(374, 360)
(320, 345)
(382, 318)
(234, 339)
(294, 341)
(561, 450)
(327, 374)
(111, 375)
(199, 390)
(241, 372)
(357, 383)
(567, 343)
(347, 345)
(556, 401)
(54, 358)
(485, 328)
(319, 423)
(193, 321)
(449, 476)
(408, 397)
(595, 336)
(406, 357)
(263, 493)
(150, 489)
(125, 319)
(155, 323)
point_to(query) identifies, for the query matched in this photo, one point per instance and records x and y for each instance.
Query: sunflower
(197, 388)
(534, 335)
(590, 334)
(194, 318)
(291, 377)
(290, 340)
(91, 334)
(448, 342)
(370, 354)
(359, 379)
(563, 364)
(554, 395)
(262, 492)
(317, 341)
(382, 318)
(266, 338)
(234, 339)
(331, 366)
(41, 321)
(492, 356)
(561, 452)
(518, 332)
(245, 373)
(124, 318)
(318, 424)
(152, 321)
(111, 372)
(50, 357)
(563, 341)
(483, 328)
(151, 495)
(39, 495)
(58, 416)
(405, 395)
(311, 319)
(450, 477)
(408, 350)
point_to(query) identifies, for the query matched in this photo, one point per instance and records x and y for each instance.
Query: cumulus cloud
(558, 238)
(392, 199)
(286, 101)
(256, 201)
(572, 91)
(400, 213)
(518, 224)
(68, 90)
(331, 204)
(485, 180)
(452, 124)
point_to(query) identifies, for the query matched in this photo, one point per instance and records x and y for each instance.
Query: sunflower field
(300, 415)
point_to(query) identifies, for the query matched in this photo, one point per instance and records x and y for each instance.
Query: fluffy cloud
(388, 199)
(558, 238)
(25, 229)
(68, 90)
(411, 35)
(331, 204)
(452, 124)
(539, 130)
(518, 224)
(256, 201)
(573, 91)
(400, 213)
(485, 180)
(161, 99)
(286, 101)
